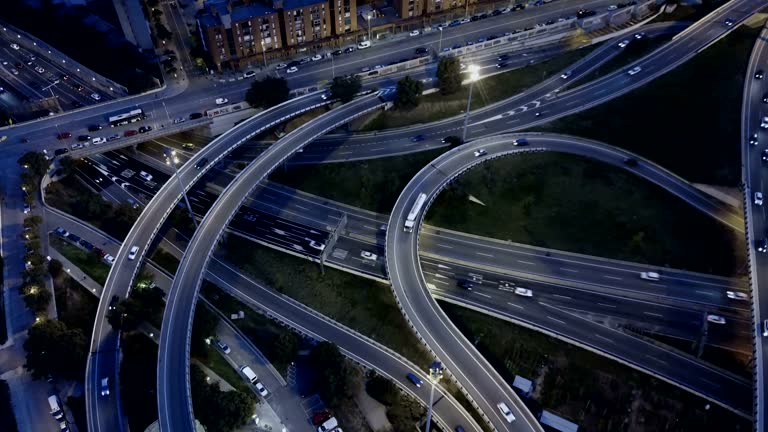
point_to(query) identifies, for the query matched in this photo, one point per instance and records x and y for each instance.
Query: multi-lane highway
(103, 413)
(753, 140)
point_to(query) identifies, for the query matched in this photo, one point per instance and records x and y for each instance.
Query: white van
(329, 425)
(53, 402)
(364, 45)
(248, 372)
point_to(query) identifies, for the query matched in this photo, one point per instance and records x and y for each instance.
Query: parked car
(94, 128)
(715, 319)
(221, 101)
(145, 129)
(223, 347)
(292, 69)
(64, 135)
(130, 133)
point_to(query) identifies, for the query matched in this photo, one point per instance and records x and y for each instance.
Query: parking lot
(28, 77)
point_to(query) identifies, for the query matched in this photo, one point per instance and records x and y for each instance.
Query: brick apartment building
(413, 8)
(304, 20)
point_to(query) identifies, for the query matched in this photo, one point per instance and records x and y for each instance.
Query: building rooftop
(558, 423)
(295, 4)
(209, 20)
(243, 13)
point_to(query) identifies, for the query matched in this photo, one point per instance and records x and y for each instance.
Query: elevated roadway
(754, 180)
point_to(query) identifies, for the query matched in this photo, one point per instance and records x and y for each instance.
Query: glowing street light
(435, 374)
(474, 74)
(172, 159)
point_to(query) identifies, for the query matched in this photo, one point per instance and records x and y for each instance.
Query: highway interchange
(486, 123)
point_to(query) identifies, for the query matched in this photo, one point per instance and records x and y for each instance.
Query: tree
(53, 348)
(449, 75)
(408, 93)
(203, 326)
(36, 298)
(67, 165)
(32, 221)
(286, 346)
(218, 410)
(139, 307)
(162, 31)
(331, 372)
(267, 92)
(55, 267)
(36, 163)
(382, 389)
(345, 88)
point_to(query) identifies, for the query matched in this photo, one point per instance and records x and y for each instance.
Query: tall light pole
(369, 26)
(440, 45)
(264, 54)
(171, 159)
(333, 68)
(435, 374)
(473, 76)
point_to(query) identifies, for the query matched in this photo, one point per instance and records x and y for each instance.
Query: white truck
(410, 220)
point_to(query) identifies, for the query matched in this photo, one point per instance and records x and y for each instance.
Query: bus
(123, 119)
(411, 219)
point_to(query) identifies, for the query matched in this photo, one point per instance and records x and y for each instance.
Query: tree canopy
(217, 410)
(382, 389)
(408, 93)
(53, 348)
(140, 306)
(345, 88)
(35, 162)
(449, 75)
(267, 92)
(331, 372)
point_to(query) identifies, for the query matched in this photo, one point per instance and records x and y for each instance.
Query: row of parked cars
(90, 247)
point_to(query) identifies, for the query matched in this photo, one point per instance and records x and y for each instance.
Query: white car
(281, 66)
(105, 386)
(96, 96)
(635, 70)
(716, 319)
(650, 276)
(525, 292)
(14, 46)
(39, 70)
(612, 7)
(98, 140)
(414, 33)
(132, 253)
(639, 35)
(221, 101)
(76, 146)
(292, 69)
(369, 255)
(566, 75)
(145, 175)
(316, 245)
(317, 57)
(27, 209)
(109, 259)
(765, 328)
(736, 295)
(758, 198)
(223, 347)
(764, 123)
(262, 391)
(249, 74)
(505, 411)
(480, 152)
(623, 43)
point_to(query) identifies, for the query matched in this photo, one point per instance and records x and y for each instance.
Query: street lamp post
(473, 75)
(440, 44)
(264, 54)
(171, 159)
(369, 26)
(435, 374)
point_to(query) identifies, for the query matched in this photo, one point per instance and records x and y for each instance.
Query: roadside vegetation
(544, 202)
(90, 263)
(362, 304)
(138, 380)
(692, 132)
(597, 393)
(403, 411)
(452, 100)
(7, 417)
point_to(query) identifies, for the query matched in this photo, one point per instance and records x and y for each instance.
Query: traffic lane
(352, 344)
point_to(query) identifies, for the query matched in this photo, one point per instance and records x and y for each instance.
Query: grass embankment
(687, 120)
(597, 393)
(362, 304)
(88, 262)
(489, 90)
(165, 260)
(138, 380)
(575, 204)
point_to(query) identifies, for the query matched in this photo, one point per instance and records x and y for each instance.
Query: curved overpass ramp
(434, 327)
(174, 395)
(103, 413)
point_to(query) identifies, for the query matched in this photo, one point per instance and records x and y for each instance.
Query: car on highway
(762, 245)
(650, 276)
(316, 245)
(765, 328)
(728, 22)
(420, 51)
(39, 69)
(96, 96)
(361, 45)
(765, 98)
(566, 74)
(145, 175)
(414, 33)
(736, 295)
(280, 66)
(221, 101)
(105, 386)
(418, 138)
(201, 163)
(83, 138)
(133, 252)
(505, 411)
(64, 135)
(369, 255)
(130, 133)
(316, 57)
(764, 155)
(753, 139)
(634, 71)
(759, 74)
(525, 292)
(223, 347)
(13, 71)
(764, 123)
(520, 142)
(249, 74)
(465, 284)
(195, 115)
(292, 69)
(501, 65)
(624, 43)
(94, 128)
(414, 379)
(507, 286)
(113, 302)
(262, 391)
(639, 35)
(758, 198)
(480, 152)
(15, 46)
(145, 129)
(188, 146)
(716, 319)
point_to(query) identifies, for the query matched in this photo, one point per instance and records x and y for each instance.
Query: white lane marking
(484, 295)
(604, 338)
(301, 207)
(515, 305)
(484, 254)
(653, 314)
(555, 319)
(561, 296)
(607, 305)
(570, 270)
(526, 262)
(655, 359)
(611, 277)
(658, 285)
(704, 292)
(445, 246)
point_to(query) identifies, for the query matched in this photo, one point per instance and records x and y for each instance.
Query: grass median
(86, 261)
